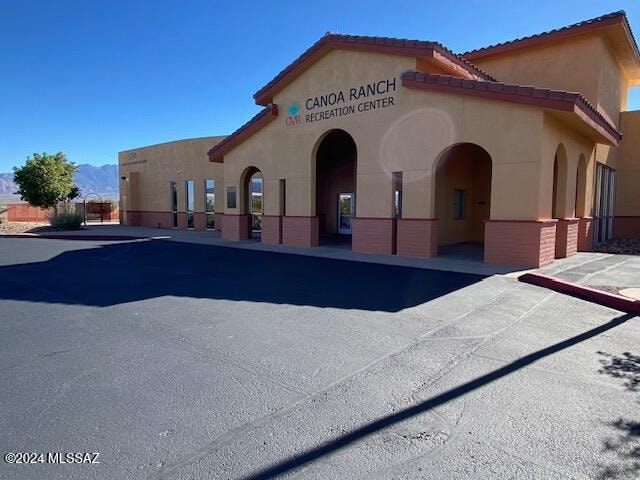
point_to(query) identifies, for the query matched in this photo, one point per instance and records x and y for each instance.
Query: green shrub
(65, 221)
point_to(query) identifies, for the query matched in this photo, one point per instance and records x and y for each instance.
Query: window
(210, 203)
(458, 204)
(231, 197)
(605, 190)
(173, 187)
(189, 202)
(397, 194)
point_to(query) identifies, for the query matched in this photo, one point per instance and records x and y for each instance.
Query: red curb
(54, 236)
(606, 299)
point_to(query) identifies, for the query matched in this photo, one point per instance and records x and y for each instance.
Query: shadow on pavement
(626, 443)
(327, 448)
(127, 272)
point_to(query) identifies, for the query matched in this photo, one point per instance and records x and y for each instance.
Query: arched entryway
(335, 170)
(559, 210)
(462, 199)
(252, 199)
(559, 198)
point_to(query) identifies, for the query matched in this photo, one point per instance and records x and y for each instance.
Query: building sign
(358, 99)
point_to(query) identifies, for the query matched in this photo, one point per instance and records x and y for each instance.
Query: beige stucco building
(524, 148)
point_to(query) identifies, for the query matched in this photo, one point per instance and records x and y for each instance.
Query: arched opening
(462, 199)
(336, 158)
(581, 188)
(559, 198)
(252, 202)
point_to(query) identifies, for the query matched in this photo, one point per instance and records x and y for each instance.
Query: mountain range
(89, 178)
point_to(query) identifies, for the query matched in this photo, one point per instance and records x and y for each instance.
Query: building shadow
(304, 458)
(334, 240)
(473, 251)
(625, 443)
(127, 272)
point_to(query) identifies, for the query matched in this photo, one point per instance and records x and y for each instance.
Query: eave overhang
(615, 27)
(264, 117)
(581, 113)
(418, 49)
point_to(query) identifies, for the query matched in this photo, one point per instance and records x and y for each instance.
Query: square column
(271, 229)
(523, 243)
(374, 235)
(417, 237)
(566, 237)
(585, 234)
(300, 231)
(235, 227)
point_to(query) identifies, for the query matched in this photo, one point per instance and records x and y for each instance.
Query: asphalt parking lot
(186, 361)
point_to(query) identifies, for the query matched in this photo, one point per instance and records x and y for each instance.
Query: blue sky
(92, 78)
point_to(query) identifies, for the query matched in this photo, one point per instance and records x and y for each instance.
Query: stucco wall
(150, 169)
(627, 202)
(407, 137)
(582, 64)
(574, 145)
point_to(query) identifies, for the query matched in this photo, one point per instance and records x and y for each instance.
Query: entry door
(345, 213)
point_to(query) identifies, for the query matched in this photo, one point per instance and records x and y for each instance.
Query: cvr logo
(293, 118)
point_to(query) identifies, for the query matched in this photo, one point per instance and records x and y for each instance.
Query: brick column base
(199, 221)
(521, 243)
(567, 237)
(235, 227)
(300, 231)
(626, 227)
(374, 235)
(585, 234)
(271, 229)
(417, 237)
(219, 219)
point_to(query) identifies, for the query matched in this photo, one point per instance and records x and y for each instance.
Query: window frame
(208, 212)
(189, 213)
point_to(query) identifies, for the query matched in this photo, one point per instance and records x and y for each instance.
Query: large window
(603, 212)
(173, 187)
(210, 203)
(190, 201)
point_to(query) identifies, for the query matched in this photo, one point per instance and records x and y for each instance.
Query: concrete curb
(606, 299)
(61, 236)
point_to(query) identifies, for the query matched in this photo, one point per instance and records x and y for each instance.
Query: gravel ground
(23, 227)
(626, 247)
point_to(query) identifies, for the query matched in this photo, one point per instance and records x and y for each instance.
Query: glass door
(604, 198)
(345, 213)
(174, 205)
(255, 202)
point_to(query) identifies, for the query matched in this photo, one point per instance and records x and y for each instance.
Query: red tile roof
(265, 116)
(528, 95)
(563, 32)
(393, 46)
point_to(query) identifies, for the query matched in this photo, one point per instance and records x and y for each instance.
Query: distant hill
(101, 180)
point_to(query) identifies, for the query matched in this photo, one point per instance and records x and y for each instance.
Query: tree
(45, 180)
